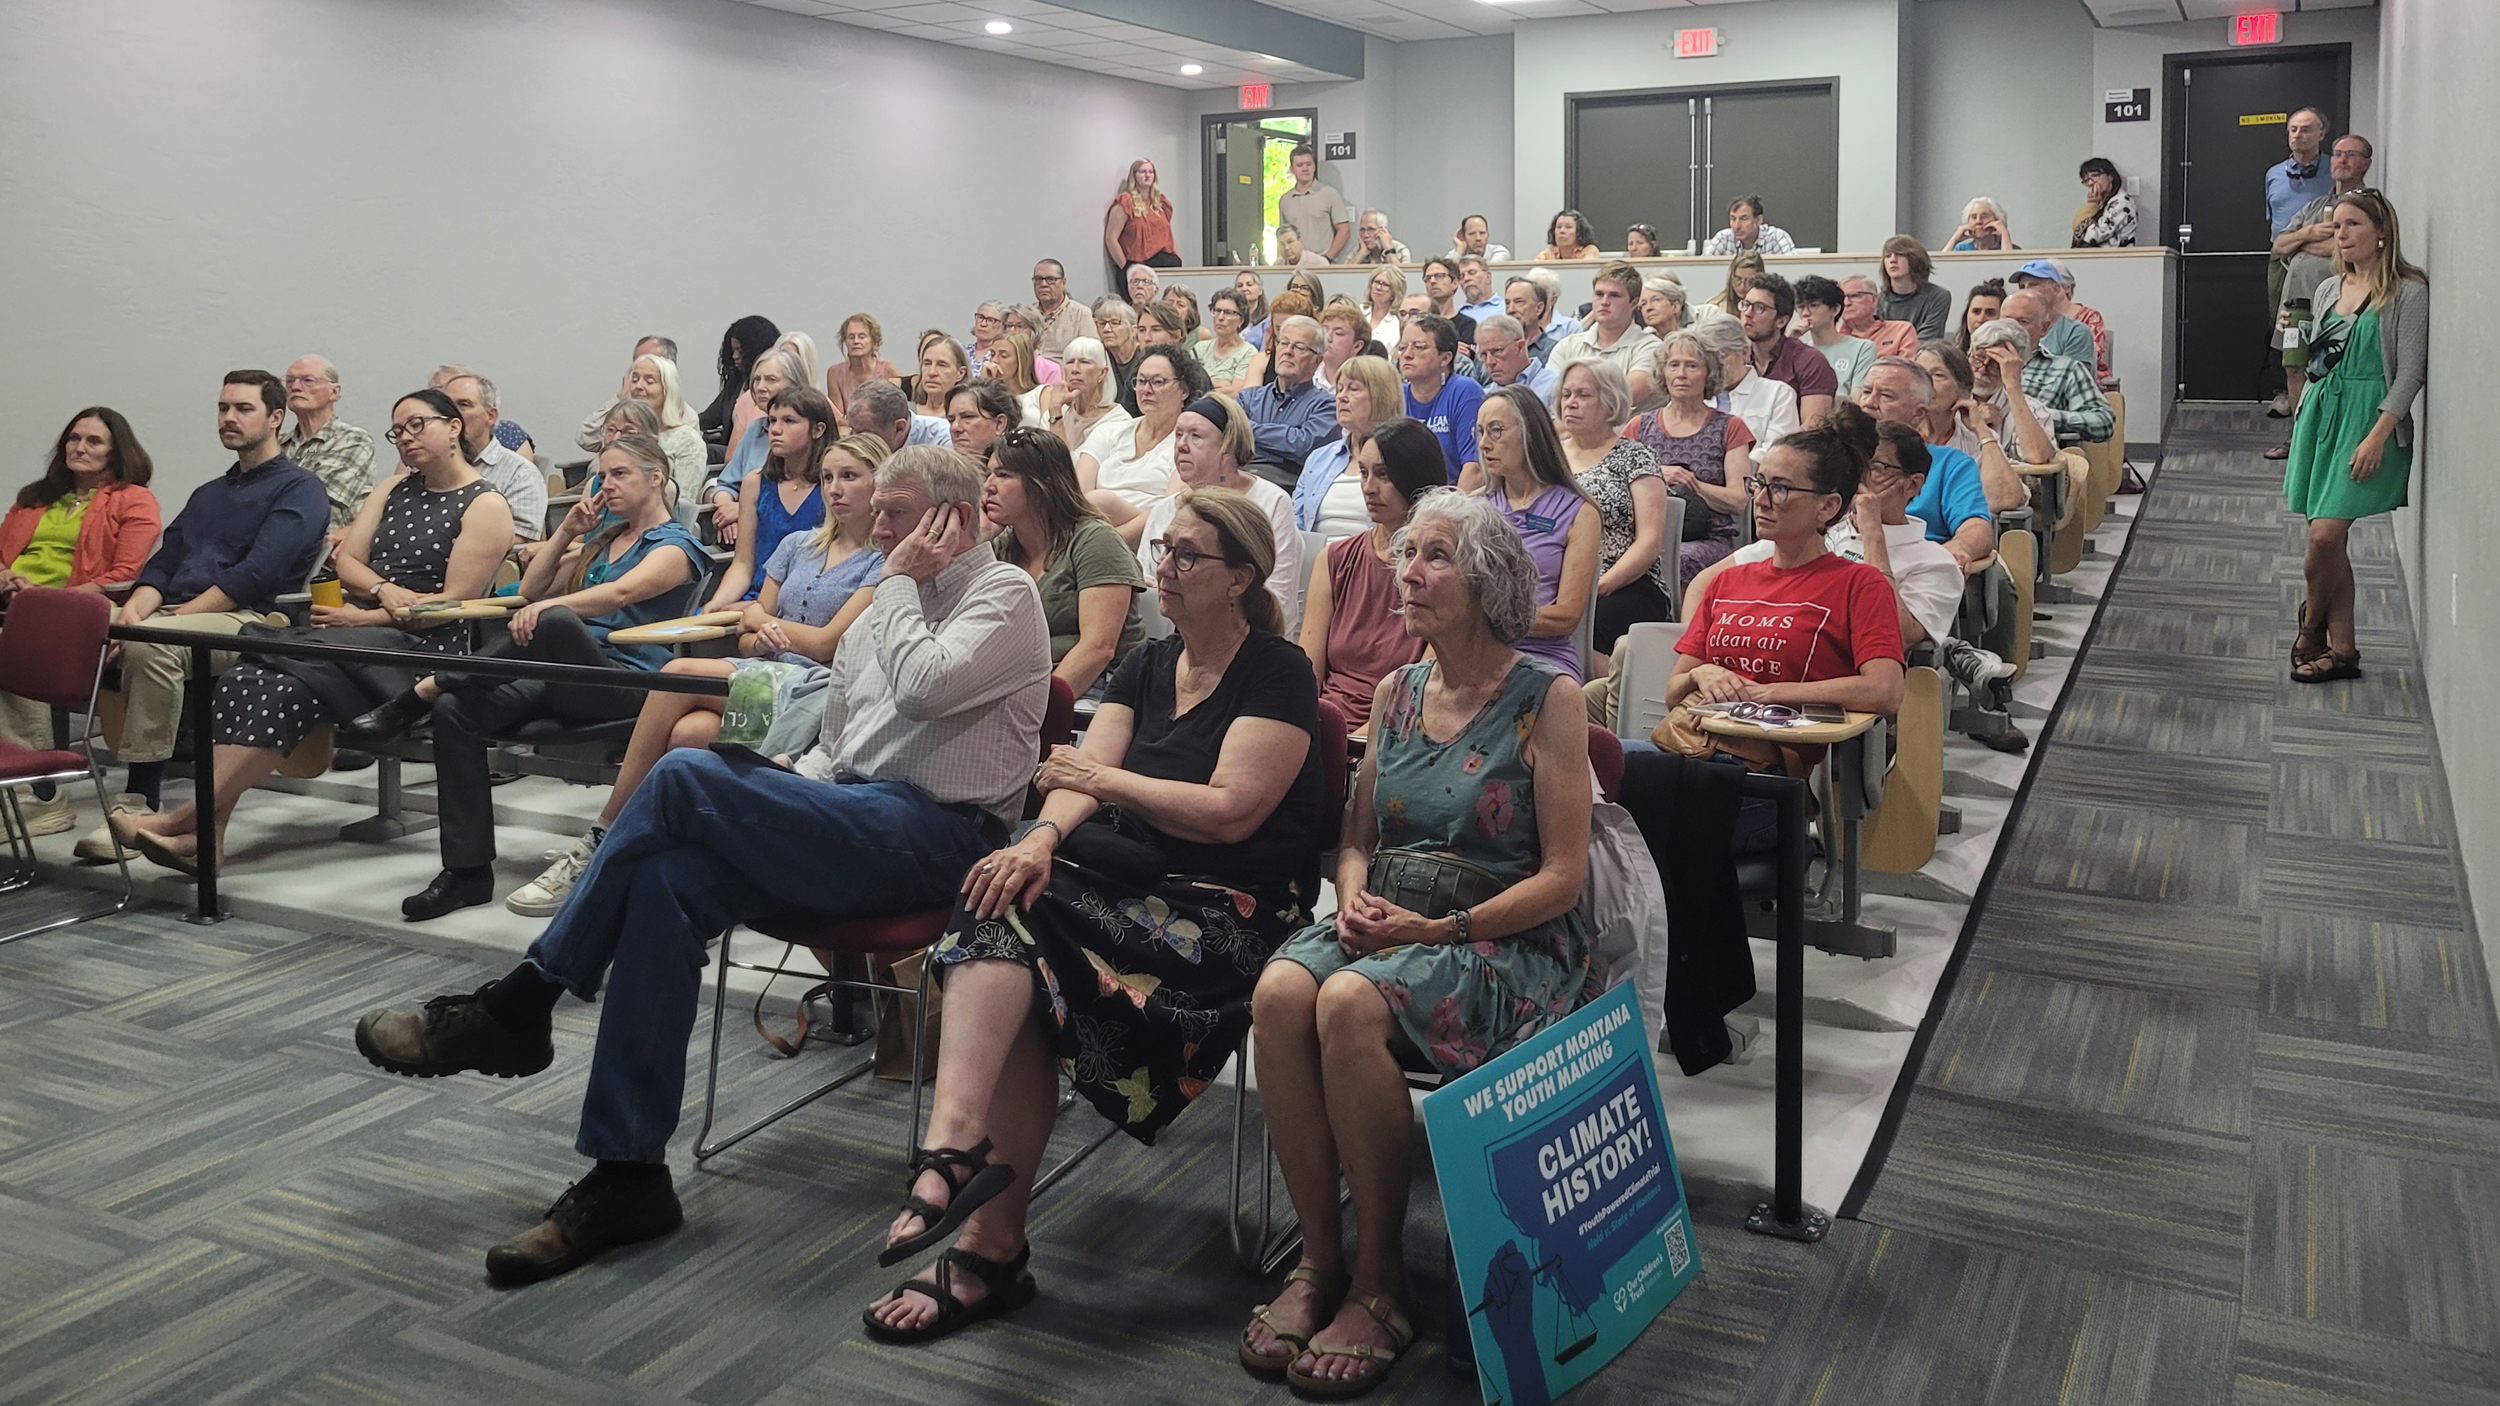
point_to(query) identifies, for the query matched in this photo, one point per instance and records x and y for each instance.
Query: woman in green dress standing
(2352, 447)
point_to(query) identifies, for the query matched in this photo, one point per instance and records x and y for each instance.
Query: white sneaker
(98, 847)
(1974, 668)
(45, 817)
(542, 896)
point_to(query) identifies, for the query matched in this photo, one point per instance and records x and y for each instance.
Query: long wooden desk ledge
(482, 608)
(1804, 734)
(691, 629)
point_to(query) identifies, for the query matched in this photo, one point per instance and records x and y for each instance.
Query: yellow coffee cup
(329, 593)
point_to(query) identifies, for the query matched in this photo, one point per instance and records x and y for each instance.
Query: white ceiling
(2119, 13)
(1458, 19)
(1048, 34)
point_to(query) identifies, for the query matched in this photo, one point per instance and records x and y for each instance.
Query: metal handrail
(200, 693)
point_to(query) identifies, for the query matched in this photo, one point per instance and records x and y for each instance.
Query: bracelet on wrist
(1054, 829)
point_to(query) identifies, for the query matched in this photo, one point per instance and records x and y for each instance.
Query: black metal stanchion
(1786, 1215)
(201, 690)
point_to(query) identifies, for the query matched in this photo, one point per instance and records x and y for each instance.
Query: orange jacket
(115, 536)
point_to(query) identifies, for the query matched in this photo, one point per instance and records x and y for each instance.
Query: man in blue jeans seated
(930, 732)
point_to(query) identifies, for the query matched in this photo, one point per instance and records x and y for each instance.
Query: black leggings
(469, 710)
(1637, 604)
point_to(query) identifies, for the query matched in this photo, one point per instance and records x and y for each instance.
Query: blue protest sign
(1568, 1225)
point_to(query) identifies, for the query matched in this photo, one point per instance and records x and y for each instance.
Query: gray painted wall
(2436, 63)
(396, 183)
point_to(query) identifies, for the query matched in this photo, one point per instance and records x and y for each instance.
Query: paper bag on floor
(898, 1019)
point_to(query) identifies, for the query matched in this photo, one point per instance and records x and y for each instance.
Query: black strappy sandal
(1010, 1286)
(2329, 667)
(964, 1195)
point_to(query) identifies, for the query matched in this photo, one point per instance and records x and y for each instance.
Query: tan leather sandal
(1331, 1287)
(1401, 1333)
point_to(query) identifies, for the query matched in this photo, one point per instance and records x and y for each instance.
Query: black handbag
(1104, 845)
(1435, 885)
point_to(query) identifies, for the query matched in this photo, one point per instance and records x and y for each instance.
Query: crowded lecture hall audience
(1418, 521)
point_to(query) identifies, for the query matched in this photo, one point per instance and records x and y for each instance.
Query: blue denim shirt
(1288, 423)
(667, 605)
(254, 534)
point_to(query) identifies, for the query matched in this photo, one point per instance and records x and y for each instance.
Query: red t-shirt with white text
(1823, 620)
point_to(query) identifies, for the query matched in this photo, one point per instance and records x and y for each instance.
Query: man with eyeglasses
(1860, 317)
(1524, 299)
(322, 444)
(243, 539)
(1293, 416)
(931, 724)
(1441, 297)
(1503, 345)
(516, 478)
(1063, 318)
(1953, 504)
(1768, 304)
(1379, 246)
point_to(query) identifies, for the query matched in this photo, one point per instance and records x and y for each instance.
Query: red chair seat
(894, 935)
(19, 764)
(1606, 755)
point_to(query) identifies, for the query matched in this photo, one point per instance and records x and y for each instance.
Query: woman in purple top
(1527, 477)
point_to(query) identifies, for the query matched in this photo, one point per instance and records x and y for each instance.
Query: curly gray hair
(1491, 559)
(1614, 390)
(1693, 344)
(2003, 329)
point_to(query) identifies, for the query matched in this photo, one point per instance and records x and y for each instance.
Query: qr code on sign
(1679, 1254)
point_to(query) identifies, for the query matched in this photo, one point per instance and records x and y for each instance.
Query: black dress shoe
(349, 759)
(451, 891)
(596, 1214)
(386, 722)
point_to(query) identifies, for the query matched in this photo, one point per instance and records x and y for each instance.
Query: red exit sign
(2263, 27)
(1254, 95)
(1696, 43)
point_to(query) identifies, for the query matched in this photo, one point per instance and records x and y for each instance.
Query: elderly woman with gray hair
(1457, 932)
(1982, 227)
(1703, 453)
(1621, 479)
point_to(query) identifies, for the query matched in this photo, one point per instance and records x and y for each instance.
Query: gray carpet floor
(2209, 1115)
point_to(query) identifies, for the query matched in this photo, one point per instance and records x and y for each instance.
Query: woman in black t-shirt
(1123, 932)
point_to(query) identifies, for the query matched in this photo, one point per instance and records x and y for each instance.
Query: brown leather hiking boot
(595, 1215)
(452, 1033)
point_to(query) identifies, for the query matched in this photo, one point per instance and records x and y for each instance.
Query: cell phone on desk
(1822, 713)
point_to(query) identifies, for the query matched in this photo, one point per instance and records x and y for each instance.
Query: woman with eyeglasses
(1350, 623)
(1233, 365)
(639, 569)
(1807, 626)
(815, 584)
(432, 532)
(1622, 481)
(780, 497)
(1212, 444)
(1730, 299)
(775, 371)
(1087, 576)
(1457, 935)
(1119, 936)
(1125, 467)
(1022, 318)
(1527, 477)
(89, 522)
(1383, 295)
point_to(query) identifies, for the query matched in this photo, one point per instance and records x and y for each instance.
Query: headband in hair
(1208, 408)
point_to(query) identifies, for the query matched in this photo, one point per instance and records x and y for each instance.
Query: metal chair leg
(704, 1148)
(22, 846)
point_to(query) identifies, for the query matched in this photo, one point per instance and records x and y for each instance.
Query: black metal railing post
(1786, 1215)
(201, 689)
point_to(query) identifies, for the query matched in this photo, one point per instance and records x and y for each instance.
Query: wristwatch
(1460, 937)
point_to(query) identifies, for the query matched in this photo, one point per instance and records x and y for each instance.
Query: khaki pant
(152, 678)
(25, 722)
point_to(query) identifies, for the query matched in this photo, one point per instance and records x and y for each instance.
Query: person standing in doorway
(2290, 185)
(1318, 212)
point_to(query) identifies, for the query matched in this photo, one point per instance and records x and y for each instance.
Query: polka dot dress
(261, 706)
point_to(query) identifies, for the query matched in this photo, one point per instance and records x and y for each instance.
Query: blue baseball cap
(2049, 270)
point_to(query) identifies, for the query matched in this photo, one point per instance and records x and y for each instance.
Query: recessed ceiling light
(999, 27)
(1192, 70)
